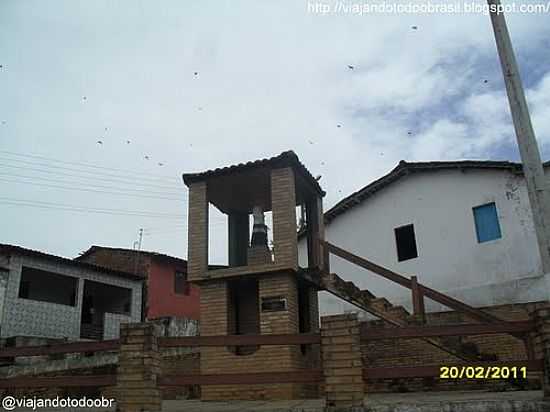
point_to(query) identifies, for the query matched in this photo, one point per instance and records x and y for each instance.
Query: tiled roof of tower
(285, 159)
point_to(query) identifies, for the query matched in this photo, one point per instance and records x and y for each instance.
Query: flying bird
(99, 142)
(127, 142)
(146, 157)
(83, 97)
(196, 73)
(338, 125)
(485, 81)
(351, 67)
(161, 164)
(414, 27)
(409, 133)
(310, 141)
(322, 163)
(200, 108)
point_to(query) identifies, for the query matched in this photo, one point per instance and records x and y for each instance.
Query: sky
(104, 104)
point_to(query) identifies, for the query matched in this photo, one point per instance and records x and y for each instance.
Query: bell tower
(263, 290)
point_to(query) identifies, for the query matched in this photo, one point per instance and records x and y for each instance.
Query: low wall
(417, 352)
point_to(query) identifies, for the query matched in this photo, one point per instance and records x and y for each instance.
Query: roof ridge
(404, 167)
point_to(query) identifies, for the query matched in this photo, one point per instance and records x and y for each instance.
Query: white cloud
(271, 77)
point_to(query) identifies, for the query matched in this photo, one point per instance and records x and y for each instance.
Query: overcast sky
(195, 85)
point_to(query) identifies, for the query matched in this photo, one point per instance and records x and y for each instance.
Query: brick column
(197, 216)
(342, 365)
(283, 204)
(138, 369)
(541, 316)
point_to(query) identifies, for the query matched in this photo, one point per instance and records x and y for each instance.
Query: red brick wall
(162, 299)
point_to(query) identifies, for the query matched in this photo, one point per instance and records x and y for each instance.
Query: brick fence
(140, 378)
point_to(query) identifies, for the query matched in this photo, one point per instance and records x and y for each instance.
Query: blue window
(486, 221)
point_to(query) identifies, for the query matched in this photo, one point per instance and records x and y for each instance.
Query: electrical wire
(59, 206)
(129, 181)
(95, 173)
(131, 172)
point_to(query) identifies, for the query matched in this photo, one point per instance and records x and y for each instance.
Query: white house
(48, 296)
(463, 227)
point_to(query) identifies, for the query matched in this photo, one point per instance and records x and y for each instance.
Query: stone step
(380, 303)
(398, 311)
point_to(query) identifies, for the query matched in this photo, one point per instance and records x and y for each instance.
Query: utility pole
(539, 196)
(136, 261)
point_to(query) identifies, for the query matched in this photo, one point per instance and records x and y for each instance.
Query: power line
(45, 179)
(59, 206)
(133, 182)
(131, 172)
(93, 173)
(87, 190)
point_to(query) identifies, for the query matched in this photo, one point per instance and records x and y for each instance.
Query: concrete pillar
(342, 365)
(197, 259)
(138, 369)
(541, 316)
(239, 229)
(283, 204)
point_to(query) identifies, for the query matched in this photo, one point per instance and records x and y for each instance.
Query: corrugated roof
(288, 158)
(13, 249)
(405, 168)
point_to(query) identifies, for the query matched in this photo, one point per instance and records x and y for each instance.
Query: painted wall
(439, 204)
(162, 299)
(25, 317)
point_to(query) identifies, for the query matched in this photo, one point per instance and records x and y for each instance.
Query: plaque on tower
(273, 304)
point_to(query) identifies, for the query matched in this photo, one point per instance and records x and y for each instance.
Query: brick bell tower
(263, 290)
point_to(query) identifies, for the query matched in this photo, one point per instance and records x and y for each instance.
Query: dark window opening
(243, 312)
(46, 286)
(406, 243)
(99, 299)
(24, 289)
(181, 285)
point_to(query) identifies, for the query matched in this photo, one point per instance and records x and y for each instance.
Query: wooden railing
(418, 290)
(60, 348)
(59, 381)
(303, 376)
(519, 328)
(411, 332)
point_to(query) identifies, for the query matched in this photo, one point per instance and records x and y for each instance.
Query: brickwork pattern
(283, 204)
(342, 365)
(219, 360)
(541, 316)
(138, 369)
(197, 264)
(416, 352)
